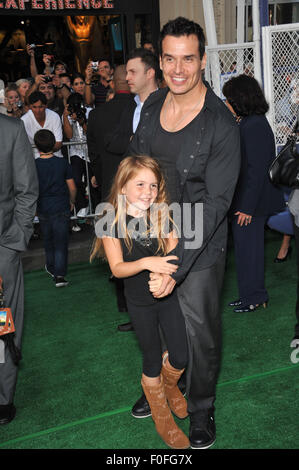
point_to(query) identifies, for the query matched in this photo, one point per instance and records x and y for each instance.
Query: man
(54, 89)
(148, 45)
(95, 93)
(39, 117)
(18, 196)
(142, 77)
(193, 135)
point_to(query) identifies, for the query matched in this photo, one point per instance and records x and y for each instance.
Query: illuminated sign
(22, 5)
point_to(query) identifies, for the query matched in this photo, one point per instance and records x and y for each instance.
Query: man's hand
(155, 282)
(88, 73)
(166, 288)
(47, 60)
(30, 50)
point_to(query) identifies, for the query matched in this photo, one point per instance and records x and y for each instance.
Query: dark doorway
(72, 39)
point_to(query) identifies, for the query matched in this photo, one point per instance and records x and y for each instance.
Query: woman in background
(255, 197)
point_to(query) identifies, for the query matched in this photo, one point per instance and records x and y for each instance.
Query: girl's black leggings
(146, 320)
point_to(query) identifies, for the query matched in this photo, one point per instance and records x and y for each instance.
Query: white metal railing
(281, 77)
(226, 60)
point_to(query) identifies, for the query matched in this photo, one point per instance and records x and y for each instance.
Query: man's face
(48, 90)
(181, 63)
(137, 76)
(104, 69)
(39, 110)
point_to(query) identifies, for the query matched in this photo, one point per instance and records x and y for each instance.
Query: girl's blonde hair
(160, 218)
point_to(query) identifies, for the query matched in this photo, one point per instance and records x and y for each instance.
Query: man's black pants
(199, 297)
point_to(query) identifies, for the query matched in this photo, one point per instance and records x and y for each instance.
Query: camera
(19, 104)
(79, 109)
(47, 79)
(32, 46)
(94, 66)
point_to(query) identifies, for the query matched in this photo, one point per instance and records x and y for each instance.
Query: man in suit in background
(18, 196)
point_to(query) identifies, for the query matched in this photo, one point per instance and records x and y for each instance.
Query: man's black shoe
(141, 409)
(7, 413)
(125, 327)
(202, 433)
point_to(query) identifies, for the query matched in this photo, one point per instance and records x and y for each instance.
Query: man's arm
(72, 190)
(88, 95)
(221, 175)
(26, 192)
(57, 131)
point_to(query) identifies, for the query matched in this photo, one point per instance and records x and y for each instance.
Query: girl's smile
(141, 191)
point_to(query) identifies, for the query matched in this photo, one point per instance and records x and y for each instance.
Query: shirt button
(141, 141)
(185, 171)
(191, 156)
(198, 142)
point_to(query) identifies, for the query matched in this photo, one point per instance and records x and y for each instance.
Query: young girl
(135, 246)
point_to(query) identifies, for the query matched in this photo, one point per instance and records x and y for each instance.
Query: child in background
(135, 244)
(57, 192)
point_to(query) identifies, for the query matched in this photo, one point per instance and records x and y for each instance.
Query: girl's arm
(121, 268)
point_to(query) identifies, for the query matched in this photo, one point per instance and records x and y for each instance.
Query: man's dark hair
(149, 59)
(77, 75)
(245, 95)
(44, 140)
(183, 27)
(104, 59)
(65, 75)
(37, 96)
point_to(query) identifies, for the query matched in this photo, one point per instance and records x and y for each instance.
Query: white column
(212, 42)
(240, 21)
(257, 40)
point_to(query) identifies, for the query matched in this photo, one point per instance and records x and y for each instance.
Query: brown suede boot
(175, 398)
(162, 417)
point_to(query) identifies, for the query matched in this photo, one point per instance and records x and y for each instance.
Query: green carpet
(79, 376)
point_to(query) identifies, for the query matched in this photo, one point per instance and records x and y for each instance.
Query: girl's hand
(243, 219)
(159, 264)
(155, 282)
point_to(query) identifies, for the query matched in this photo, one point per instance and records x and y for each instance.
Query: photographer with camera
(47, 59)
(12, 102)
(74, 120)
(98, 77)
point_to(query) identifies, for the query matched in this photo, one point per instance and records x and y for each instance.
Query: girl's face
(79, 85)
(23, 88)
(12, 97)
(141, 191)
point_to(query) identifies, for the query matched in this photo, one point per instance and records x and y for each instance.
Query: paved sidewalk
(79, 249)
